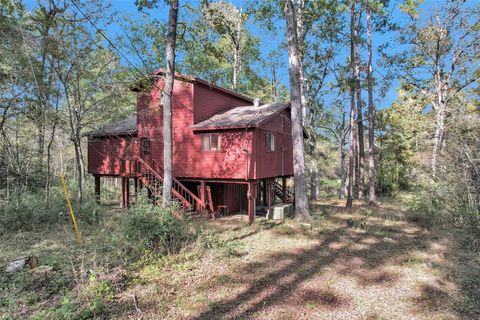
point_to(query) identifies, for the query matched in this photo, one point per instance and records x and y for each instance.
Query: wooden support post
(127, 192)
(97, 189)
(269, 196)
(265, 202)
(251, 201)
(210, 202)
(202, 193)
(284, 189)
(135, 188)
(124, 201)
(258, 194)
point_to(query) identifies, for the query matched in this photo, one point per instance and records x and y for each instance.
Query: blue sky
(271, 41)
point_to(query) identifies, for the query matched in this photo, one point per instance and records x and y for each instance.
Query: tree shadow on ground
(360, 254)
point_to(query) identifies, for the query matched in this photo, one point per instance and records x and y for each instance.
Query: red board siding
(242, 156)
(105, 154)
(232, 162)
(236, 197)
(233, 196)
(209, 101)
(278, 162)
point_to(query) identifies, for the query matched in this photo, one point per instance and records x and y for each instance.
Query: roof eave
(221, 128)
(190, 78)
(106, 134)
(273, 114)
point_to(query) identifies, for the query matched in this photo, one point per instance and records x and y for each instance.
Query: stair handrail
(197, 200)
(160, 178)
(181, 186)
(279, 187)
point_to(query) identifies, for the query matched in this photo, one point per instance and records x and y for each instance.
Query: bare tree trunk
(300, 29)
(237, 63)
(372, 171)
(236, 59)
(315, 187)
(41, 139)
(49, 156)
(343, 157)
(438, 137)
(302, 211)
(79, 166)
(351, 153)
(167, 105)
(361, 138)
(75, 138)
(274, 84)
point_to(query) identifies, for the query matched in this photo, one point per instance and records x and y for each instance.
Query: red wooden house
(228, 151)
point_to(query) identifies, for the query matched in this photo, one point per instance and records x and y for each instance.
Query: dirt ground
(360, 264)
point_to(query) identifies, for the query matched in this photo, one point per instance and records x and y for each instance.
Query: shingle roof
(241, 117)
(123, 127)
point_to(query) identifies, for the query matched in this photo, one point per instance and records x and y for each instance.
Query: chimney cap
(256, 102)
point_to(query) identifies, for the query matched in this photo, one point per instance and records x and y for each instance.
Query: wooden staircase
(278, 191)
(151, 176)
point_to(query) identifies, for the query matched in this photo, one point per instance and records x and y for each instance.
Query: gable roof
(241, 117)
(126, 126)
(160, 72)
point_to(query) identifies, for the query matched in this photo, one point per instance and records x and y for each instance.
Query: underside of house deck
(210, 197)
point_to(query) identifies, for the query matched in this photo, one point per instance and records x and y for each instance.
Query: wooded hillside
(386, 91)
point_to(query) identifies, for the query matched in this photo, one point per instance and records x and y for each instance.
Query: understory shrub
(444, 205)
(30, 210)
(153, 228)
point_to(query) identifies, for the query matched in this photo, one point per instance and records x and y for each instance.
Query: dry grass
(359, 264)
(380, 266)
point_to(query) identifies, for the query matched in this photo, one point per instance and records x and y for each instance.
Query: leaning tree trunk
(351, 153)
(301, 203)
(372, 171)
(167, 105)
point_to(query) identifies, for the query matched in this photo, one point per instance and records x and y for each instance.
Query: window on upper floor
(211, 142)
(145, 146)
(270, 142)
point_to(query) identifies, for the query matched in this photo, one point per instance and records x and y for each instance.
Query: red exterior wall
(105, 153)
(209, 101)
(270, 164)
(231, 195)
(188, 158)
(243, 153)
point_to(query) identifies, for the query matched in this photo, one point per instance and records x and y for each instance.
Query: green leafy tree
(441, 61)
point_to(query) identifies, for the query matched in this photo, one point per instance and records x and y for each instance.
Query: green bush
(153, 228)
(443, 206)
(30, 210)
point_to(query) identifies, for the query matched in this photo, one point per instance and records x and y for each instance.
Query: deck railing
(155, 171)
(278, 190)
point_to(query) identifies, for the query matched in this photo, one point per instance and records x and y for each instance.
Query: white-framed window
(145, 146)
(211, 142)
(270, 142)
